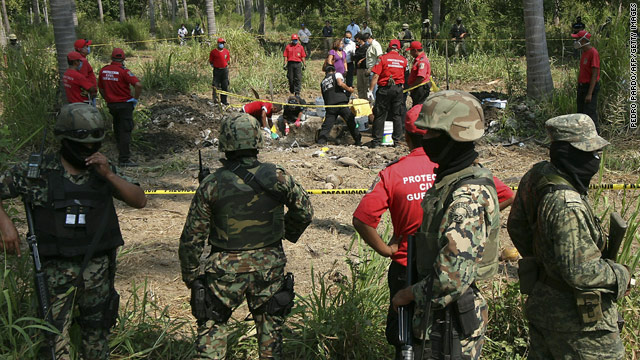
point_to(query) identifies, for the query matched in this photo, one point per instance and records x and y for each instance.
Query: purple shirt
(338, 61)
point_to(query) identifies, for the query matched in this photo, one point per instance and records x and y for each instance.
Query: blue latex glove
(134, 101)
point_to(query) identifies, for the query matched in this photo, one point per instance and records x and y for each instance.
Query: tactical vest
(66, 224)
(429, 240)
(242, 218)
(331, 92)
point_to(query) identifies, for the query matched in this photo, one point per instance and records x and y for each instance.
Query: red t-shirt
(219, 58)
(114, 80)
(400, 187)
(589, 59)
(294, 52)
(87, 71)
(421, 68)
(76, 86)
(390, 64)
(255, 109)
(504, 192)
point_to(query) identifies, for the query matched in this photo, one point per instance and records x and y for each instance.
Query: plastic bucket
(363, 122)
(320, 111)
(386, 135)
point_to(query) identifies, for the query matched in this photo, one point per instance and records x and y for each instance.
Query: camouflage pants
(231, 288)
(61, 274)
(588, 345)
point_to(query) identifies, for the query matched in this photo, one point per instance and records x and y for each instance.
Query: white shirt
(350, 50)
(354, 29)
(304, 35)
(182, 32)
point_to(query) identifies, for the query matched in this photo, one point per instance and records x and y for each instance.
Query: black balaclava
(450, 155)
(579, 165)
(76, 153)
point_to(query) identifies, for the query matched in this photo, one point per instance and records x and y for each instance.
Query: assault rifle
(204, 172)
(405, 313)
(617, 229)
(42, 290)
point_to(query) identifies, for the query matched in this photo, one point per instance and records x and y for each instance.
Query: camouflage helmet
(79, 122)
(239, 132)
(457, 113)
(576, 129)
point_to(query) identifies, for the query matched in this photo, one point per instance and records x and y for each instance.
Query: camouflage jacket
(459, 242)
(198, 224)
(14, 182)
(565, 237)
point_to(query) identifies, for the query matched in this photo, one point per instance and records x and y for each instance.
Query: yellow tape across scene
(364, 191)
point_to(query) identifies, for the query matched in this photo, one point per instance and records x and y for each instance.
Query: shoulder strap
(251, 180)
(469, 180)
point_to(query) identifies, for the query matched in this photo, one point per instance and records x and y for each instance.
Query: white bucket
(363, 122)
(320, 110)
(386, 135)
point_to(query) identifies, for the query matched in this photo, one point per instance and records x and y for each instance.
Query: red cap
(410, 120)
(580, 34)
(415, 45)
(221, 40)
(117, 53)
(394, 43)
(74, 55)
(80, 43)
(294, 37)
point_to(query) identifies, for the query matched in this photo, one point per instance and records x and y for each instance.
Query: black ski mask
(579, 165)
(450, 155)
(76, 153)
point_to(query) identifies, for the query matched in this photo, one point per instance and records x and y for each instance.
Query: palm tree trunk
(152, 17)
(435, 9)
(5, 18)
(263, 15)
(539, 81)
(74, 12)
(46, 12)
(36, 11)
(100, 11)
(123, 16)
(186, 11)
(64, 34)
(211, 18)
(248, 10)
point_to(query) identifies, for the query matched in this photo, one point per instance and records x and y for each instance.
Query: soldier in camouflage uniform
(69, 199)
(457, 242)
(572, 290)
(240, 210)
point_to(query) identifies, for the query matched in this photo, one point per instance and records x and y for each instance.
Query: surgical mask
(577, 44)
(88, 50)
(80, 66)
(294, 42)
(221, 46)
(347, 40)
(340, 48)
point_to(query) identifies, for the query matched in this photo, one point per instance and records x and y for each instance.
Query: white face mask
(577, 44)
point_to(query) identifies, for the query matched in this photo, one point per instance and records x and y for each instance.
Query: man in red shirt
(82, 46)
(588, 78)
(400, 188)
(114, 81)
(77, 87)
(420, 73)
(262, 111)
(294, 63)
(388, 73)
(219, 59)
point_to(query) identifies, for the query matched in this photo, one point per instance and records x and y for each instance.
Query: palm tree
(64, 34)
(211, 18)
(152, 17)
(248, 7)
(74, 12)
(5, 17)
(539, 81)
(100, 11)
(123, 16)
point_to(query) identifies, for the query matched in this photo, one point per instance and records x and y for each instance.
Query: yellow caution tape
(364, 191)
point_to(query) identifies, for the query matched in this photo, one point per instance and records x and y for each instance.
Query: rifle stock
(617, 229)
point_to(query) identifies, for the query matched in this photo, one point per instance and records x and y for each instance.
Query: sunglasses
(81, 133)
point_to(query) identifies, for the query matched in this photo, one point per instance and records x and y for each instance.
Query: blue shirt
(354, 29)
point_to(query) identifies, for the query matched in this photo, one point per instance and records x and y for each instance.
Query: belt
(386, 86)
(216, 68)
